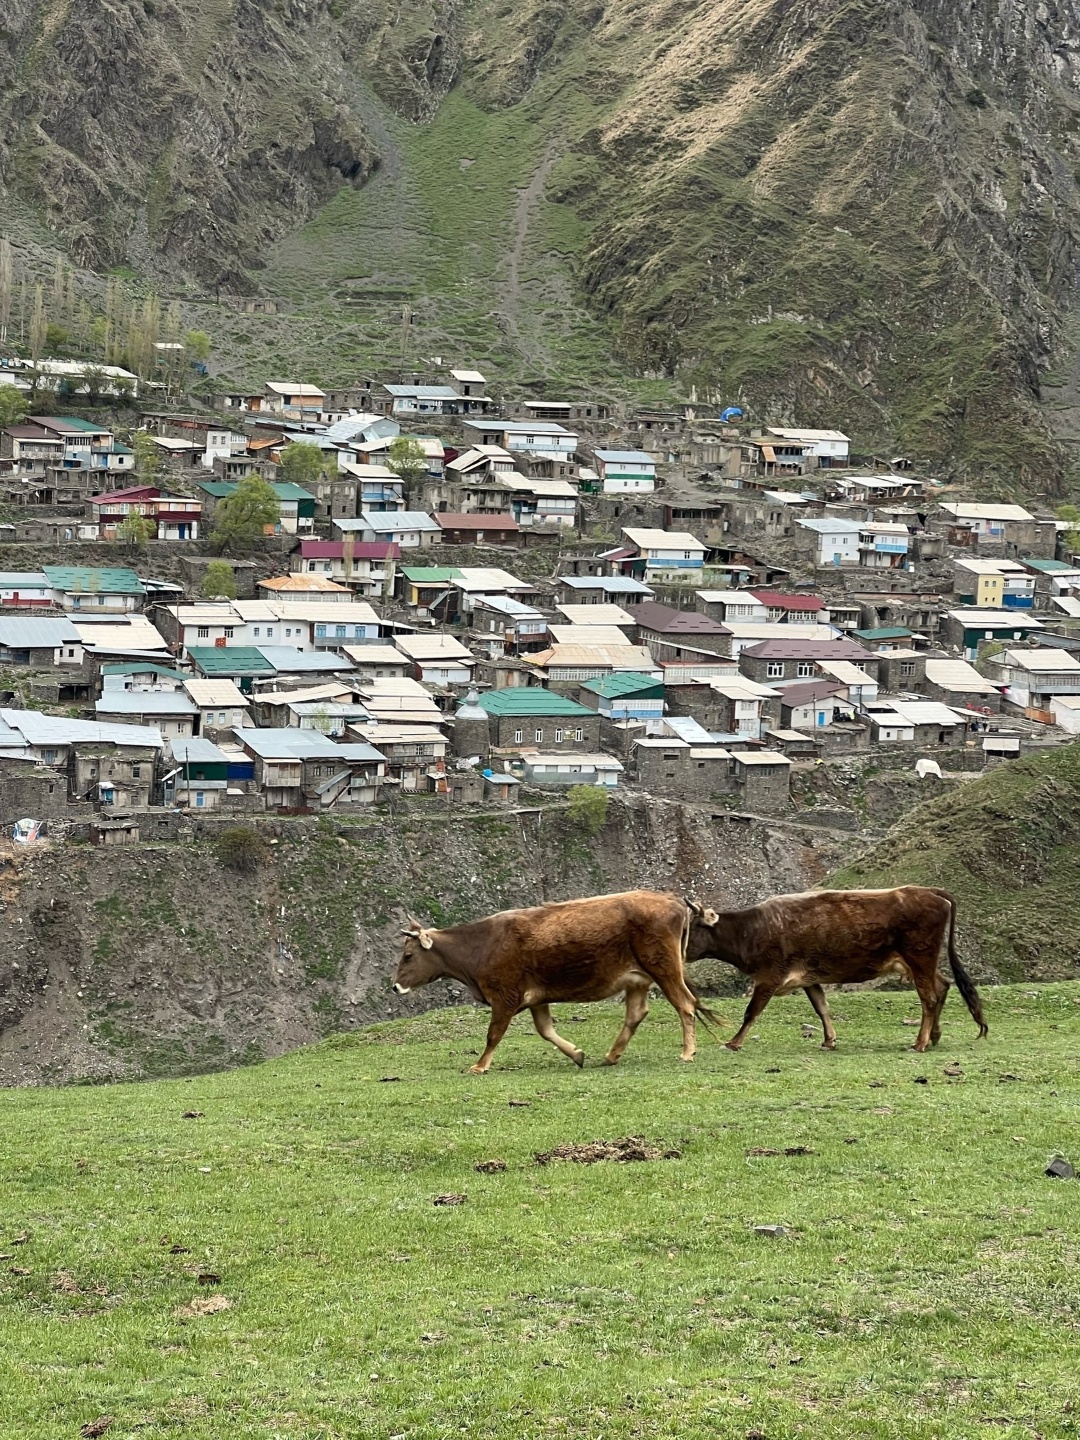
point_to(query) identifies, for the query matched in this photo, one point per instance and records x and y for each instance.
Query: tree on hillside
(1072, 535)
(301, 464)
(243, 518)
(408, 462)
(135, 530)
(147, 457)
(197, 346)
(219, 582)
(14, 405)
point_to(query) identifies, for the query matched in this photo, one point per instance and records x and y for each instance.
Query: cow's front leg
(758, 1000)
(501, 1015)
(816, 995)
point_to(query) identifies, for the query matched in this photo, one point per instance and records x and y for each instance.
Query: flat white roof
(595, 614)
(789, 434)
(967, 510)
(663, 539)
(958, 675)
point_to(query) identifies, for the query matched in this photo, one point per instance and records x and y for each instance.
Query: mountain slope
(1008, 846)
(849, 211)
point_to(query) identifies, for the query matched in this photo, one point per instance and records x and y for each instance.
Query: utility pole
(406, 321)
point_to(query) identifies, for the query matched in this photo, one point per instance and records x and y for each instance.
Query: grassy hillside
(1008, 846)
(277, 1267)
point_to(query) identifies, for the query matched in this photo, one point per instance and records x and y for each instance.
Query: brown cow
(573, 950)
(831, 937)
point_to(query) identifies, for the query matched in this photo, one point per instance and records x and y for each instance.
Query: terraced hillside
(851, 211)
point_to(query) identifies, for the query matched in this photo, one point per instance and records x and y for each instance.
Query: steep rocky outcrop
(179, 134)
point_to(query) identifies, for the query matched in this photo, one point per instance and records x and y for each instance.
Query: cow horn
(693, 906)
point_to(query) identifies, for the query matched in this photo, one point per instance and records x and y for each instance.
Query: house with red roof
(174, 517)
(366, 566)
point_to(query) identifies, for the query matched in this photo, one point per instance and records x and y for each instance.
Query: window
(559, 734)
(221, 718)
(204, 632)
(50, 757)
(200, 798)
(539, 737)
(519, 735)
(774, 669)
(804, 669)
(579, 736)
(228, 632)
(269, 632)
(311, 565)
(136, 772)
(255, 632)
(341, 632)
(320, 631)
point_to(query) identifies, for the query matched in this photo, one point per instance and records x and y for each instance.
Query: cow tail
(964, 982)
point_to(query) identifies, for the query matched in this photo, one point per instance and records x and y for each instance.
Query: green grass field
(928, 1285)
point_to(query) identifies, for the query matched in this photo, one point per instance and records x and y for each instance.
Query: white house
(541, 437)
(832, 541)
(666, 549)
(411, 529)
(828, 447)
(883, 545)
(988, 520)
(441, 659)
(621, 471)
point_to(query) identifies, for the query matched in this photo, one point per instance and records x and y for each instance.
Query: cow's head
(703, 913)
(419, 961)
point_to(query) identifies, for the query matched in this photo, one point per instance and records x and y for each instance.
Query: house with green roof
(296, 505)
(625, 695)
(884, 637)
(527, 717)
(239, 663)
(110, 590)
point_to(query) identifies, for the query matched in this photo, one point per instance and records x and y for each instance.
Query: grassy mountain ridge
(847, 212)
(1008, 846)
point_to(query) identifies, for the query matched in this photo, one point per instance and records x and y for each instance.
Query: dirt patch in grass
(630, 1147)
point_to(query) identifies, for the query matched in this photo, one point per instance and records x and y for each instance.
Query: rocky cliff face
(180, 134)
(847, 211)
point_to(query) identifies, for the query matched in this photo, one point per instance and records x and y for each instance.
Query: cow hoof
(579, 1059)
(687, 1059)
(828, 1044)
(478, 1069)
(730, 1045)
(920, 1049)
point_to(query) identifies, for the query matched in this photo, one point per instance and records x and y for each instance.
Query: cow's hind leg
(545, 1027)
(763, 993)
(501, 1015)
(816, 995)
(637, 1007)
(933, 988)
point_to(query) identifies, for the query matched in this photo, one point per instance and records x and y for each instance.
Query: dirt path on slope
(525, 337)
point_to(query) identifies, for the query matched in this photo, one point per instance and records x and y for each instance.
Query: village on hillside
(485, 601)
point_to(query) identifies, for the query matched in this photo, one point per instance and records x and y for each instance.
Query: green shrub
(589, 807)
(242, 849)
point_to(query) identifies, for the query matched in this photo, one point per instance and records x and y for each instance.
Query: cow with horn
(574, 950)
(838, 937)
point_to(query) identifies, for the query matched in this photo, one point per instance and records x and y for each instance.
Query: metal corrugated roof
(39, 729)
(197, 749)
(229, 660)
(32, 632)
(145, 702)
(85, 580)
(530, 700)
